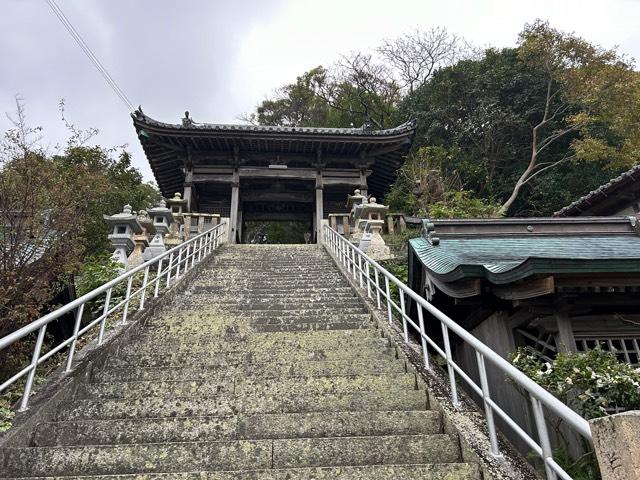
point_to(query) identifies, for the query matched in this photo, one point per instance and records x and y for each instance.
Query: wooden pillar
(363, 182)
(319, 214)
(565, 341)
(235, 200)
(187, 193)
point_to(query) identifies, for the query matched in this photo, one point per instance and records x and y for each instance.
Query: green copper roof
(507, 259)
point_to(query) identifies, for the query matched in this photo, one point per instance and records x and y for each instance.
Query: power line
(85, 48)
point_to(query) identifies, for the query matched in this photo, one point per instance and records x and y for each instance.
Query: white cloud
(219, 59)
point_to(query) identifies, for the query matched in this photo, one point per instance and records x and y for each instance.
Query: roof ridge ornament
(429, 232)
(187, 121)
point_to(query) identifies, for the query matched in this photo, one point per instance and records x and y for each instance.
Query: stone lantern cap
(177, 201)
(124, 219)
(356, 199)
(162, 217)
(161, 211)
(373, 207)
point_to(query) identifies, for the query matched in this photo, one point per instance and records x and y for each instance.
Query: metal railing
(165, 269)
(371, 276)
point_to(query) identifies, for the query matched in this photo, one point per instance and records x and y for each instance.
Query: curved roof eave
(141, 120)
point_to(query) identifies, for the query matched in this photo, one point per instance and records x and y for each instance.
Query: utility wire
(85, 48)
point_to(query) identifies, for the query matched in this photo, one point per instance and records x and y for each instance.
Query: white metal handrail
(359, 265)
(181, 258)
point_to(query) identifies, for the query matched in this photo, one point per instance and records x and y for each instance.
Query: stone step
(282, 303)
(311, 326)
(250, 386)
(232, 455)
(267, 290)
(264, 369)
(289, 309)
(433, 471)
(251, 332)
(174, 406)
(239, 320)
(237, 427)
(319, 265)
(191, 355)
(236, 339)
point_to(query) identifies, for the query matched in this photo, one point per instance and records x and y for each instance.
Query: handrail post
(169, 270)
(200, 249)
(425, 352)
(451, 371)
(32, 372)
(179, 262)
(353, 263)
(368, 278)
(543, 437)
(144, 288)
(388, 296)
(127, 299)
(103, 323)
(360, 269)
(158, 275)
(488, 410)
(404, 315)
(375, 272)
(76, 327)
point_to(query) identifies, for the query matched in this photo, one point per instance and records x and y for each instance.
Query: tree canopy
(518, 131)
(51, 207)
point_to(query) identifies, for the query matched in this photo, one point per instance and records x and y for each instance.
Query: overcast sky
(219, 59)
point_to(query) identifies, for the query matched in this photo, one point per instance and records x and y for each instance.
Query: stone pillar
(616, 441)
(390, 229)
(235, 200)
(402, 224)
(319, 212)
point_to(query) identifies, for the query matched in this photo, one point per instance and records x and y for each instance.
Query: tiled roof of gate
(222, 127)
(163, 142)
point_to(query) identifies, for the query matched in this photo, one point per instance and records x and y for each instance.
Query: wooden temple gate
(248, 173)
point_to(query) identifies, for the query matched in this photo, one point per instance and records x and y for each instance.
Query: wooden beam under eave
(464, 288)
(286, 173)
(528, 289)
(211, 178)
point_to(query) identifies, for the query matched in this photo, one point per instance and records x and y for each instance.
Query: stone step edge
(107, 423)
(439, 469)
(452, 437)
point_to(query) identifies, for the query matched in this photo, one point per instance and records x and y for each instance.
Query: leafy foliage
(592, 383)
(6, 415)
(426, 186)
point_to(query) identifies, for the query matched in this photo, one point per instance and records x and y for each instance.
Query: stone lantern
(177, 204)
(355, 202)
(125, 225)
(162, 218)
(368, 218)
(141, 240)
(178, 207)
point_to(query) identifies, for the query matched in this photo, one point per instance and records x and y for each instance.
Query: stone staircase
(268, 367)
